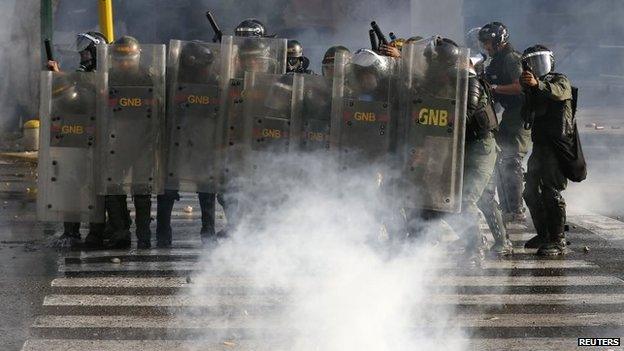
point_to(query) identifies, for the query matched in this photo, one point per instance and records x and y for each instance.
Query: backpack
(569, 150)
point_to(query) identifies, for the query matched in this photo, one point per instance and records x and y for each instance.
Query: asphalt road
(136, 300)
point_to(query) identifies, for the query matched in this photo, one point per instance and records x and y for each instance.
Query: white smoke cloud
(310, 239)
(20, 60)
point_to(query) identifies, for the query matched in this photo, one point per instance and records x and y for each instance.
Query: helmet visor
(84, 40)
(541, 62)
(248, 32)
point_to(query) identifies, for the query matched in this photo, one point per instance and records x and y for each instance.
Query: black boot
(207, 205)
(70, 237)
(556, 245)
(142, 207)
(95, 239)
(555, 219)
(117, 209)
(538, 215)
(164, 231)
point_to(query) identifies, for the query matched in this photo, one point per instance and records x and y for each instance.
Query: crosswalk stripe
(211, 300)
(605, 227)
(527, 281)
(131, 253)
(193, 266)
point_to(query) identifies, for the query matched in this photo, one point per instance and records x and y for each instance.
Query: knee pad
(553, 199)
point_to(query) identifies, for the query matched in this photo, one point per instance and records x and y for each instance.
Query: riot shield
(194, 121)
(246, 54)
(312, 112)
(362, 118)
(433, 126)
(268, 128)
(67, 166)
(131, 119)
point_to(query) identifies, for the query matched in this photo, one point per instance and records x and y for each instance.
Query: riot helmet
(196, 63)
(442, 52)
(250, 27)
(255, 56)
(495, 35)
(539, 59)
(86, 45)
(369, 69)
(330, 57)
(295, 57)
(126, 53)
(196, 54)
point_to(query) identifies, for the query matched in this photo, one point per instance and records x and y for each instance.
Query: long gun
(380, 36)
(373, 40)
(528, 112)
(218, 33)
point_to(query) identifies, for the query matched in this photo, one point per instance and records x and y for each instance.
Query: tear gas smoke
(309, 243)
(20, 62)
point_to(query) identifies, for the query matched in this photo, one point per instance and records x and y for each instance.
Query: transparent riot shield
(67, 166)
(194, 121)
(241, 55)
(433, 125)
(267, 118)
(131, 119)
(312, 112)
(362, 117)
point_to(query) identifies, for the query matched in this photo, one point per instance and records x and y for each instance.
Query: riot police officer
(479, 164)
(503, 74)
(127, 71)
(549, 105)
(86, 45)
(295, 61)
(249, 27)
(195, 67)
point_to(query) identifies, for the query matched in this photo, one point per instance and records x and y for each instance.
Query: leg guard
(143, 206)
(165, 202)
(95, 238)
(511, 180)
(555, 208)
(533, 198)
(207, 205)
(494, 218)
(117, 210)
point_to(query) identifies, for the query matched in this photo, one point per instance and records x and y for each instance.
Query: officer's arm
(558, 88)
(510, 89)
(514, 66)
